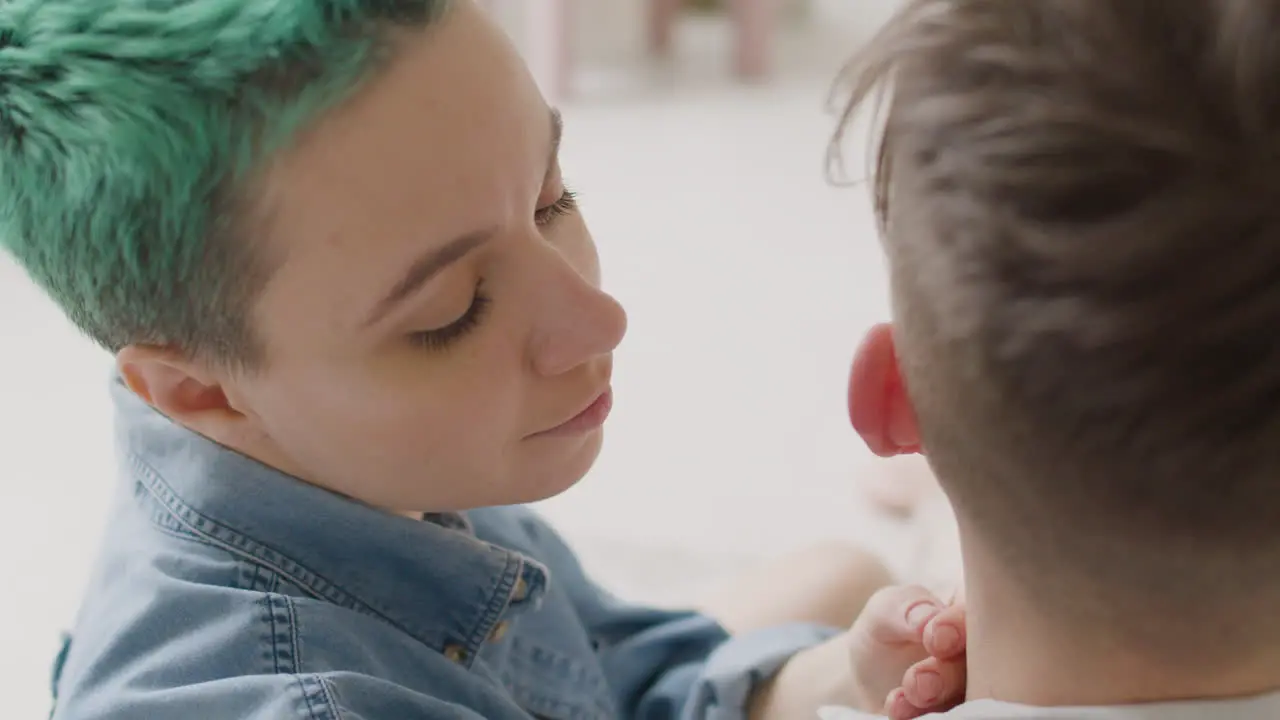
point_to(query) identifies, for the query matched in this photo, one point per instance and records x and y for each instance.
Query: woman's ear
(879, 408)
(179, 388)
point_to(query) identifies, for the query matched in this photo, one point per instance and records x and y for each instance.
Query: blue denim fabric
(226, 589)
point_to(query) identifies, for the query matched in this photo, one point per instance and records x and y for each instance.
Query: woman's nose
(584, 324)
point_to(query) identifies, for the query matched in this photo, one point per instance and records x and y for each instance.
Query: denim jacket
(226, 589)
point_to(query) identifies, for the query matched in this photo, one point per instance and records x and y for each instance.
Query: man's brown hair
(1080, 201)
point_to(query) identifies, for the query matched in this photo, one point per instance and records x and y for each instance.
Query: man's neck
(1020, 656)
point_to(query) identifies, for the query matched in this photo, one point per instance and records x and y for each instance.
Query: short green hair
(129, 131)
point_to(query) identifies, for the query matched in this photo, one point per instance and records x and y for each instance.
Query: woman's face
(436, 318)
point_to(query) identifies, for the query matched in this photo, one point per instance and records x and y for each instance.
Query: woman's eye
(567, 204)
(442, 338)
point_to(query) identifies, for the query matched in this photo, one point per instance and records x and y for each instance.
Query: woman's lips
(591, 417)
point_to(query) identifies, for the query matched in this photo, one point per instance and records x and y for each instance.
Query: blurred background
(748, 280)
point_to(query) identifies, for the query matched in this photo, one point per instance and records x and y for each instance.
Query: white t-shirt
(1266, 707)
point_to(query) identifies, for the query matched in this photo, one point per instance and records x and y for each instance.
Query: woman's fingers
(899, 615)
(934, 685)
(897, 707)
(945, 637)
(888, 639)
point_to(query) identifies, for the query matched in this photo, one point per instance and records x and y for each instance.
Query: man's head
(1080, 208)
(330, 234)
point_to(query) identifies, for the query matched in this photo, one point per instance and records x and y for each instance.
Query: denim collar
(433, 579)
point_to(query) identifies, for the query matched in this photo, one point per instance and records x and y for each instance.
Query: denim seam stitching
(331, 697)
(327, 712)
(181, 535)
(292, 613)
(272, 634)
(498, 602)
(180, 511)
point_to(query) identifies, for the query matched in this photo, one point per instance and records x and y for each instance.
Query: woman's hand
(907, 651)
(904, 656)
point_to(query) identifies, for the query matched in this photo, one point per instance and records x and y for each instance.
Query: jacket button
(455, 653)
(522, 591)
(499, 631)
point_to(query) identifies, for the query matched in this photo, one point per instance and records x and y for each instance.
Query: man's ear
(181, 389)
(879, 407)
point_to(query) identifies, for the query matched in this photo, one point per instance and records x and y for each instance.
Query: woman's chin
(559, 469)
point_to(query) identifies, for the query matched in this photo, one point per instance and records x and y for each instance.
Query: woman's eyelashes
(442, 338)
(566, 204)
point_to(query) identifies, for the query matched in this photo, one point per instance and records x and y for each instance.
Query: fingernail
(929, 687)
(899, 707)
(946, 639)
(921, 613)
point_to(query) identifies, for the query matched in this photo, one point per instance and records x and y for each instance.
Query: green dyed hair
(129, 131)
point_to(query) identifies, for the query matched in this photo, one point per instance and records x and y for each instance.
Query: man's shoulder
(844, 713)
(1249, 708)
